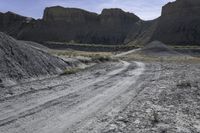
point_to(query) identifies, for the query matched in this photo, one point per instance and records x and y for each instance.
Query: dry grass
(185, 47)
(94, 56)
(142, 57)
(106, 56)
(69, 71)
(73, 53)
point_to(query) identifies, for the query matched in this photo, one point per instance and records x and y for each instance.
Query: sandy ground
(110, 97)
(59, 104)
(168, 104)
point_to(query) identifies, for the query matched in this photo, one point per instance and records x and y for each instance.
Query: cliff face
(68, 15)
(71, 24)
(59, 24)
(142, 33)
(117, 17)
(179, 23)
(12, 23)
(1, 18)
(115, 25)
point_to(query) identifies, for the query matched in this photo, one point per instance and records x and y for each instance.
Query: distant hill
(179, 24)
(59, 24)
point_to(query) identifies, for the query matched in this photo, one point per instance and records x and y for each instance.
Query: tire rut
(47, 104)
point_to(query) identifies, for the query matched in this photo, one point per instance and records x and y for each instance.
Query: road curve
(70, 105)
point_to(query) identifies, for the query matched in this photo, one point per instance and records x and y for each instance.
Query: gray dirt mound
(20, 61)
(35, 45)
(157, 48)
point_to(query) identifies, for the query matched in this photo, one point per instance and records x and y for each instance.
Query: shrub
(69, 71)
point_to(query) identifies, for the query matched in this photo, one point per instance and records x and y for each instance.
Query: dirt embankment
(21, 61)
(157, 48)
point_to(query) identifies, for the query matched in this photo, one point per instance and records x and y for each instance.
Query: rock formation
(68, 15)
(12, 23)
(179, 23)
(70, 24)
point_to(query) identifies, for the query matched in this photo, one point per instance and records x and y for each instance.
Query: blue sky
(145, 9)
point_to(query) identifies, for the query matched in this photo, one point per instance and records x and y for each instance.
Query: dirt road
(71, 103)
(107, 98)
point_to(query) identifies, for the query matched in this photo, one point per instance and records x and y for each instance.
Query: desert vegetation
(69, 71)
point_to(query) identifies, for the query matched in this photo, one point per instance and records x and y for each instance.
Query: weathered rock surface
(12, 23)
(70, 24)
(68, 15)
(141, 33)
(20, 61)
(61, 24)
(179, 23)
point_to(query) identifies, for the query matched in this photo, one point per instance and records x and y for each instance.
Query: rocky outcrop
(70, 24)
(62, 25)
(20, 61)
(117, 17)
(68, 15)
(12, 23)
(115, 25)
(179, 23)
(1, 22)
(142, 33)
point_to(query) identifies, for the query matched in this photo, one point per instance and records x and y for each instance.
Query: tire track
(11, 117)
(65, 121)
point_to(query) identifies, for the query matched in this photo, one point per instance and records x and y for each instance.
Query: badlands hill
(178, 24)
(59, 24)
(21, 61)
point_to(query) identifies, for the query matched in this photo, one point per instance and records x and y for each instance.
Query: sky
(145, 9)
